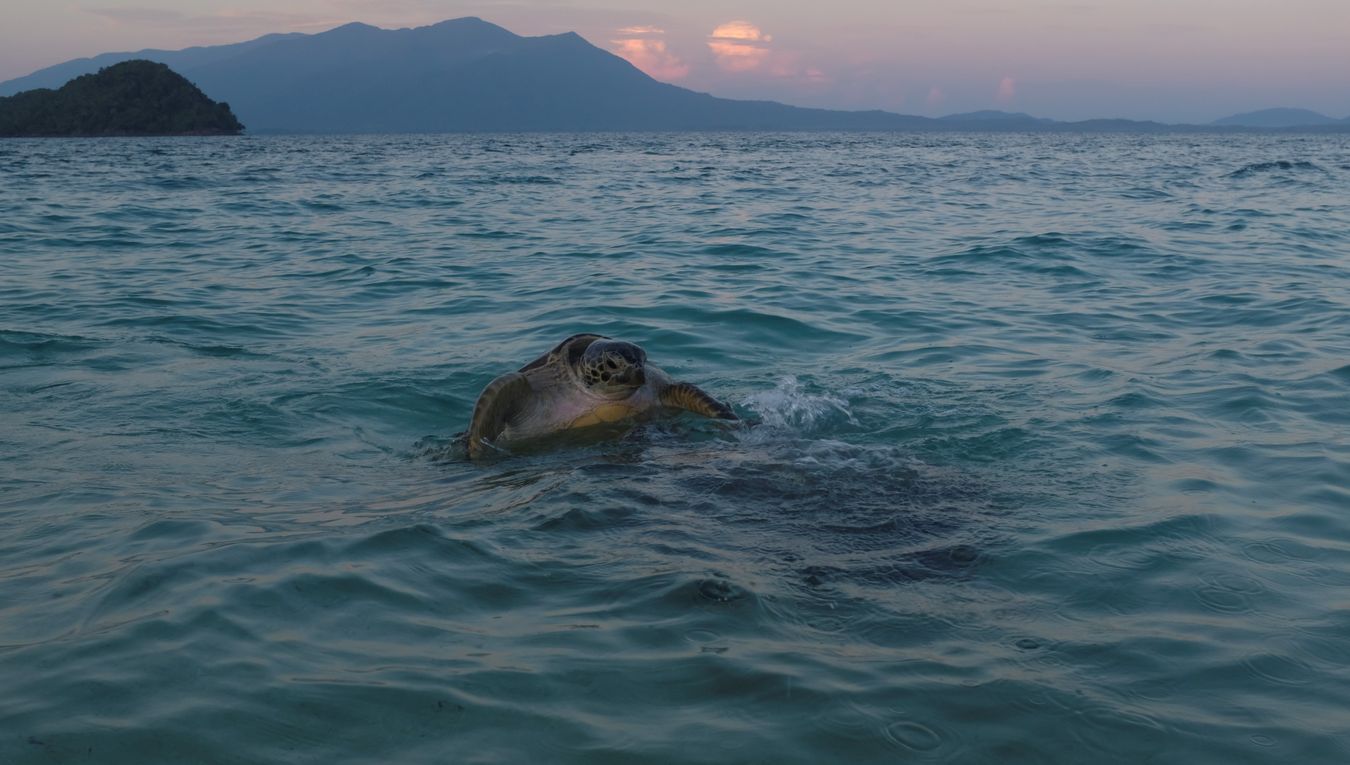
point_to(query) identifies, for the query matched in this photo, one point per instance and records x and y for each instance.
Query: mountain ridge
(467, 74)
(1279, 117)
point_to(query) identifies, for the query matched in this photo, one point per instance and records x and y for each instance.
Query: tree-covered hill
(131, 98)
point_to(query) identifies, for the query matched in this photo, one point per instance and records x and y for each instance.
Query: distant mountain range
(469, 75)
(1280, 118)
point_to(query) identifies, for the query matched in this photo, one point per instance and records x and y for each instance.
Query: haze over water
(1048, 459)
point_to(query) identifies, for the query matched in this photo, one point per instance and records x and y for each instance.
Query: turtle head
(612, 368)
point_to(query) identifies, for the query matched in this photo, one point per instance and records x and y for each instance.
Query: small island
(133, 98)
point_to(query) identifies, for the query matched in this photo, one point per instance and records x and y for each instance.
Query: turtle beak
(637, 376)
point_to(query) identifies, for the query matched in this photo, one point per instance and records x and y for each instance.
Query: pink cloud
(1007, 89)
(740, 30)
(643, 48)
(739, 46)
(935, 97)
(815, 76)
(742, 47)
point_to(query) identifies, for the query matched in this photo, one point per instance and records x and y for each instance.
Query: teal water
(1049, 460)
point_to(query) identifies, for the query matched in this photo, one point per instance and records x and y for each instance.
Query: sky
(1169, 60)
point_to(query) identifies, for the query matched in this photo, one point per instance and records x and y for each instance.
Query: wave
(1258, 168)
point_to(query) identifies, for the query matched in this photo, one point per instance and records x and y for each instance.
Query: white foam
(788, 407)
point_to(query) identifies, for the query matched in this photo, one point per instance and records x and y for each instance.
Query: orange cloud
(740, 30)
(642, 48)
(739, 46)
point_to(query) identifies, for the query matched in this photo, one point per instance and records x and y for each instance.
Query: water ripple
(1043, 449)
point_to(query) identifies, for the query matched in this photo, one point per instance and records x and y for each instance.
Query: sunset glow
(1174, 61)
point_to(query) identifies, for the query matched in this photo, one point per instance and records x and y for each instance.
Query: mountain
(130, 98)
(469, 75)
(1002, 118)
(1278, 118)
(459, 75)
(180, 61)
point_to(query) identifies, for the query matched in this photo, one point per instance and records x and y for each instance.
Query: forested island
(132, 98)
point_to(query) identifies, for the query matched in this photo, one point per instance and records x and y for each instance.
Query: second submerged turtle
(586, 380)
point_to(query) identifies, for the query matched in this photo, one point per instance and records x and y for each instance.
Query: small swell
(1257, 168)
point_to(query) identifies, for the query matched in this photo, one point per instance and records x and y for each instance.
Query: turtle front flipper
(690, 397)
(498, 402)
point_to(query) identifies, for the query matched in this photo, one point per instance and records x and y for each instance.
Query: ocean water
(1046, 452)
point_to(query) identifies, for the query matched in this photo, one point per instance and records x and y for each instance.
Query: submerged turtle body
(585, 381)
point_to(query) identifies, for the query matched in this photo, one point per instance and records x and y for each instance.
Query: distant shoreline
(124, 135)
(1168, 131)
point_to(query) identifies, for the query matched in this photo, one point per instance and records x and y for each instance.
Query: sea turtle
(587, 380)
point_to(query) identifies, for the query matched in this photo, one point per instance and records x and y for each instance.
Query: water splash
(789, 407)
